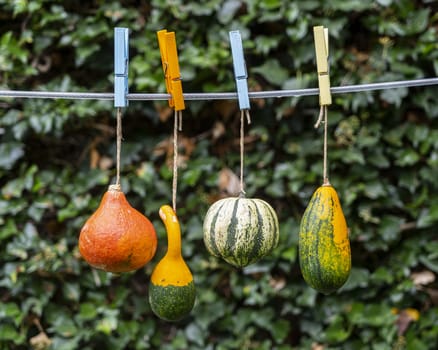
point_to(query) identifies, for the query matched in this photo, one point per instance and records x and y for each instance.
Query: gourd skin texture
(117, 238)
(324, 247)
(172, 291)
(240, 230)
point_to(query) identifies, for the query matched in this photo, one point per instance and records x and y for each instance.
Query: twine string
(180, 121)
(177, 125)
(324, 174)
(243, 113)
(119, 144)
(322, 118)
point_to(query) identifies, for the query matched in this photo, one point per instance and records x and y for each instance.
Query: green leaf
(11, 311)
(13, 189)
(9, 333)
(272, 72)
(307, 298)
(108, 323)
(87, 311)
(389, 227)
(336, 332)
(228, 10)
(280, 330)
(375, 190)
(71, 291)
(428, 216)
(383, 275)
(394, 96)
(194, 334)
(429, 263)
(384, 2)
(407, 157)
(65, 328)
(9, 154)
(9, 229)
(359, 278)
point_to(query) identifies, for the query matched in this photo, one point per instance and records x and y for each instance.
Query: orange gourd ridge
(117, 238)
(172, 290)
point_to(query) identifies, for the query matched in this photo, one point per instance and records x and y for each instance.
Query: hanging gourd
(241, 230)
(172, 290)
(324, 246)
(117, 238)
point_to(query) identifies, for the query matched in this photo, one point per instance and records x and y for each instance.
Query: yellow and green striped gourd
(324, 246)
(172, 290)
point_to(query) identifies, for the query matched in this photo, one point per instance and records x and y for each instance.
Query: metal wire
(218, 95)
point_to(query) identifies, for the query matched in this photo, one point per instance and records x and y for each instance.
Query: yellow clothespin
(169, 59)
(320, 35)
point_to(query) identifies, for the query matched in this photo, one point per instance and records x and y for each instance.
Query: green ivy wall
(57, 159)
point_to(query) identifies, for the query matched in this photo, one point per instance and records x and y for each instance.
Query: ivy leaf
(394, 96)
(10, 152)
(272, 72)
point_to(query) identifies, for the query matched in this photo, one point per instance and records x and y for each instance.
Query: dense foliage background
(57, 159)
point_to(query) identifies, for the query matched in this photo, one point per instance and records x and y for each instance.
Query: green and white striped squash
(240, 230)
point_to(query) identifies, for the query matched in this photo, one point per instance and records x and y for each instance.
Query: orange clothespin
(169, 59)
(320, 35)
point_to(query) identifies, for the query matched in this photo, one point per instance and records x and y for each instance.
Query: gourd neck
(173, 230)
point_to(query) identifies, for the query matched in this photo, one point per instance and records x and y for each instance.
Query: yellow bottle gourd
(172, 290)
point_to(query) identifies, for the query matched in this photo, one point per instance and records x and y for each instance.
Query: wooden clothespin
(169, 60)
(121, 60)
(240, 72)
(320, 35)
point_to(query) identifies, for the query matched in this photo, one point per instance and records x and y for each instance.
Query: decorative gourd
(240, 230)
(324, 247)
(172, 290)
(117, 238)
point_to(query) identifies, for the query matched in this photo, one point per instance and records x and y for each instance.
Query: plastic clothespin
(169, 59)
(239, 69)
(121, 60)
(320, 35)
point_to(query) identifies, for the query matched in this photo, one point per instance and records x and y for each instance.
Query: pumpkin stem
(242, 194)
(326, 182)
(115, 187)
(173, 230)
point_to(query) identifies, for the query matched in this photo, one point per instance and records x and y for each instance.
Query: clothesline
(218, 95)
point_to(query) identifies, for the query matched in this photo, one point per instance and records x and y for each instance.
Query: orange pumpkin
(117, 238)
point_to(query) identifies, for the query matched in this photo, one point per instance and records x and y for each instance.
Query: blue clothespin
(239, 69)
(121, 59)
